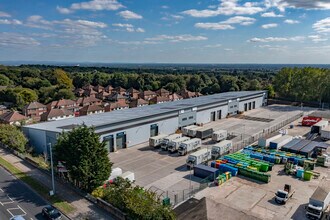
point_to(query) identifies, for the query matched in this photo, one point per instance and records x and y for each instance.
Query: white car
(17, 217)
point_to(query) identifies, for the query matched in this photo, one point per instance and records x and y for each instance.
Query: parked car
(17, 217)
(52, 213)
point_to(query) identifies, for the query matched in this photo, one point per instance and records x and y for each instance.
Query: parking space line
(4, 203)
(19, 208)
(1, 190)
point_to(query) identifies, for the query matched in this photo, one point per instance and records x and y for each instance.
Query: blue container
(203, 171)
(300, 173)
(213, 164)
(226, 168)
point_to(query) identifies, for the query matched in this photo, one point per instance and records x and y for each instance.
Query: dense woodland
(27, 83)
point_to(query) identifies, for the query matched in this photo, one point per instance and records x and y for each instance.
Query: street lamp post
(52, 169)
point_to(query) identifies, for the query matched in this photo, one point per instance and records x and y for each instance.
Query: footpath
(84, 209)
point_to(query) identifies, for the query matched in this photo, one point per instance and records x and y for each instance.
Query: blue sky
(166, 31)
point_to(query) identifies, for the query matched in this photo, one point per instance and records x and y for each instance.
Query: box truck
(264, 141)
(204, 133)
(169, 138)
(222, 148)
(192, 131)
(219, 135)
(316, 128)
(318, 203)
(156, 141)
(198, 157)
(173, 145)
(280, 142)
(325, 133)
(186, 129)
(189, 146)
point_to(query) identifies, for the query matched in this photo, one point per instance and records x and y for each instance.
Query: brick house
(175, 97)
(147, 95)
(91, 109)
(13, 118)
(62, 104)
(115, 97)
(133, 93)
(108, 89)
(79, 92)
(98, 88)
(34, 110)
(102, 95)
(115, 106)
(88, 101)
(90, 93)
(163, 92)
(138, 103)
(57, 114)
(159, 99)
(119, 90)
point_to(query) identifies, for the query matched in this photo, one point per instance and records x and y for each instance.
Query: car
(52, 213)
(17, 217)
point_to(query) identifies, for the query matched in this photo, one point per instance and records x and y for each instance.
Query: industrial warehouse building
(129, 127)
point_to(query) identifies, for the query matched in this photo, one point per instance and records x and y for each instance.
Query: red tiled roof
(55, 112)
(108, 88)
(91, 108)
(132, 90)
(162, 91)
(12, 117)
(148, 92)
(175, 96)
(34, 105)
(119, 89)
(98, 88)
(158, 99)
(87, 100)
(116, 96)
(87, 87)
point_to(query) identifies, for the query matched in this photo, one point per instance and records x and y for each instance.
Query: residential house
(138, 103)
(119, 90)
(13, 118)
(63, 104)
(159, 99)
(34, 110)
(90, 93)
(88, 87)
(3, 109)
(115, 97)
(98, 88)
(147, 95)
(102, 95)
(57, 114)
(108, 89)
(186, 94)
(163, 92)
(91, 109)
(115, 106)
(175, 97)
(79, 92)
(133, 93)
(83, 101)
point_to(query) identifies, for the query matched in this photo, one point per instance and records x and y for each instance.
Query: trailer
(318, 202)
(280, 142)
(310, 120)
(203, 172)
(265, 141)
(192, 131)
(156, 141)
(168, 139)
(317, 128)
(174, 144)
(298, 146)
(189, 146)
(222, 148)
(219, 135)
(204, 133)
(198, 157)
(325, 133)
(185, 130)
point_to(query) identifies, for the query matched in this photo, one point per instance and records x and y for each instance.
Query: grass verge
(62, 205)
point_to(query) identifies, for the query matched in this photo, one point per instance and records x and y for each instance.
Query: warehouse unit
(129, 127)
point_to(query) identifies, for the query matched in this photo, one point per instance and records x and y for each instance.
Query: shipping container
(219, 135)
(156, 141)
(204, 133)
(264, 141)
(279, 142)
(168, 139)
(308, 150)
(298, 146)
(185, 130)
(192, 131)
(174, 144)
(289, 145)
(189, 146)
(198, 157)
(203, 172)
(310, 120)
(316, 128)
(325, 133)
(222, 148)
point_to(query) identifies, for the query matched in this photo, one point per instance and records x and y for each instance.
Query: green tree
(62, 79)
(64, 94)
(4, 80)
(12, 137)
(85, 156)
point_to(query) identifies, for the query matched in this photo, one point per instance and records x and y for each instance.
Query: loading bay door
(153, 130)
(121, 140)
(233, 107)
(109, 143)
(188, 117)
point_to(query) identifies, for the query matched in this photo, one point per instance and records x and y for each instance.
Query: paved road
(18, 199)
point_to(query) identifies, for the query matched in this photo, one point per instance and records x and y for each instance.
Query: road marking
(4, 203)
(1, 190)
(18, 208)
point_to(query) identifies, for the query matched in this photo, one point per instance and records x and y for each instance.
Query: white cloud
(4, 14)
(317, 38)
(122, 25)
(274, 47)
(289, 21)
(239, 20)
(322, 26)
(140, 30)
(271, 25)
(214, 26)
(10, 22)
(213, 45)
(275, 39)
(226, 7)
(128, 27)
(271, 14)
(177, 38)
(165, 7)
(129, 15)
(228, 49)
(64, 10)
(305, 4)
(94, 5)
(14, 39)
(168, 17)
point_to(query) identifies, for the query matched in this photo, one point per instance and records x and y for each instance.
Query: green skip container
(308, 175)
